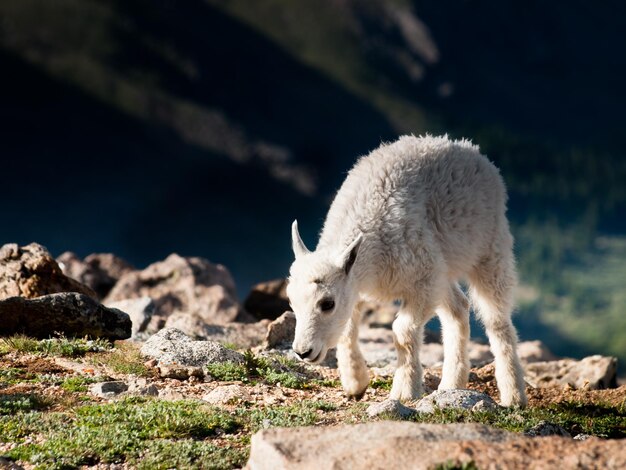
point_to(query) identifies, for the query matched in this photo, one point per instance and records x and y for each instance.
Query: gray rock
(582, 437)
(391, 408)
(171, 347)
(141, 386)
(545, 428)
(140, 311)
(69, 313)
(590, 373)
(280, 332)
(458, 399)
(108, 389)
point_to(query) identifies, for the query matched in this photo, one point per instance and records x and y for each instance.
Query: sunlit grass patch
(125, 358)
(605, 421)
(121, 432)
(299, 414)
(61, 346)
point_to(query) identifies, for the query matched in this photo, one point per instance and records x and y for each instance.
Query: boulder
(173, 347)
(403, 445)
(192, 286)
(30, 271)
(268, 299)
(67, 313)
(590, 373)
(242, 335)
(280, 332)
(140, 311)
(470, 400)
(99, 271)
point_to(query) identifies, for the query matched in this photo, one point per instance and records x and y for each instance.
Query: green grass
(124, 359)
(605, 421)
(272, 370)
(62, 346)
(146, 433)
(382, 383)
(301, 414)
(13, 403)
(177, 433)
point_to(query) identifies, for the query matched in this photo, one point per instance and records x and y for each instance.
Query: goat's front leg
(408, 329)
(352, 367)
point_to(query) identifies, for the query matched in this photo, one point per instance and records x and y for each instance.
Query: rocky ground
(206, 383)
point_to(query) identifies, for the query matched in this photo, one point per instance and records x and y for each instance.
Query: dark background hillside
(205, 127)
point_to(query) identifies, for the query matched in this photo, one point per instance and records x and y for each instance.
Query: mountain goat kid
(411, 219)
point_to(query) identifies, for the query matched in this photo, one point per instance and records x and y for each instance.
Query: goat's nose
(305, 354)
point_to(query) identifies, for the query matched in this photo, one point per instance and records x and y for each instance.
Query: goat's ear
(348, 257)
(297, 244)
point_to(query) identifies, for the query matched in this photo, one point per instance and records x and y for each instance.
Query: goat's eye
(327, 305)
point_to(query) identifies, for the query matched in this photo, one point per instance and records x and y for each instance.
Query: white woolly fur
(411, 220)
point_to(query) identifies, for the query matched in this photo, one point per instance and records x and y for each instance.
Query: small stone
(151, 363)
(392, 408)
(456, 399)
(581, 437)
(141, 386)
(108, 389)
(179, 372)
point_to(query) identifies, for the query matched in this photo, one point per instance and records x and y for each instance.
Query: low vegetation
(48, 418)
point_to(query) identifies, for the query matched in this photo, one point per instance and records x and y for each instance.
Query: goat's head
(322, 294)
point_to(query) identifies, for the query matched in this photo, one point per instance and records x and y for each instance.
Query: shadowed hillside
(204, 127)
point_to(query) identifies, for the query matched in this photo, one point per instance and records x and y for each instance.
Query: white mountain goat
(411, 219)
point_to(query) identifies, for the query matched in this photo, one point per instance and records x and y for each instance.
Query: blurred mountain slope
(204, 127)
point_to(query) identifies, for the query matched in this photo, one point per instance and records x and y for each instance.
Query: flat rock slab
(402, 445)
(68, 313)
(173, 347)
(457, 399)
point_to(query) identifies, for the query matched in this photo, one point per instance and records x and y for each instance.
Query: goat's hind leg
(492, 284)
(453, 314)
